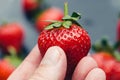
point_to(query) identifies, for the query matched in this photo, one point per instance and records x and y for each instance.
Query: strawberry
(49, 14)
(32, 8)
(5, 69)
(30, 5)
(68, 35)
(9, 63)
(108, 59)
(118, 29)
(116, 71)
(106, 62)
(11, 34)
(118, 32)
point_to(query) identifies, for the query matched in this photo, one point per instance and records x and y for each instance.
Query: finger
(96, 74)
(53, 66)
(28, 66)
(83, 68)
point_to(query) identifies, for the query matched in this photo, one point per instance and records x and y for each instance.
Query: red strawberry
(30, 5)
(116, 71)
(9, 63)
(118, 33)
(5, 69)
(107, 58)
(106, 62)
(11, 35)
(49, 14)
(118, 30)
(68, 35)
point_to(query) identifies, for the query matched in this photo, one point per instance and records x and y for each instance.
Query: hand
(53, 67)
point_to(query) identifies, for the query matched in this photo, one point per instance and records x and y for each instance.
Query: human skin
(53, 67)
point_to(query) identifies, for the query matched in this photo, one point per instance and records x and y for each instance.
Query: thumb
(53, 65)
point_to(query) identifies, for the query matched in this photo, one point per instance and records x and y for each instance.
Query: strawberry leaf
(49, 27)
(117, 55)
(13, 58)
(57, 24)
(67, 20)
(67, 17)
(54, 25)
(75, 16)
(67, 24)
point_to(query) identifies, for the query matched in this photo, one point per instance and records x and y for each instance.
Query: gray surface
(99, 17)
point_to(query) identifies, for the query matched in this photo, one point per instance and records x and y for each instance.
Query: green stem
(116, 54)
(12, 51)
(13, 58)
(65, 9)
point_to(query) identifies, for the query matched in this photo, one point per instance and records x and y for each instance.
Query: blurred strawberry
(11, 34)
(30, 5)
(32, 8)
(106, 62)
(13, 58)
(118, 33)
(49, 14)
(9, 63)
(118, 29)
(116, 71)
(108, 59)
(5, 69)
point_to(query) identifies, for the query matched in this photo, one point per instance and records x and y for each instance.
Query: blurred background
(99, 18)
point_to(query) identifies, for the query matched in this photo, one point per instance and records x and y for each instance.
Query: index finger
(28, 66)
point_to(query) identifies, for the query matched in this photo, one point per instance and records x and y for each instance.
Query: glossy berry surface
(11, 35)
(75, 41)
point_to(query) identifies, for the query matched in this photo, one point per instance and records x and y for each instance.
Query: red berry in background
(5, 69)
(118, 30)
(107, 58)
(49, 14)
(30, 5)
(106, 62)
(9, 63)
(11, 34)
(118, 33)
(31, 9)
(116, 72)
(68, 35)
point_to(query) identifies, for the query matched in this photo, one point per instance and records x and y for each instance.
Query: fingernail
(52, 56)
(96, 74)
